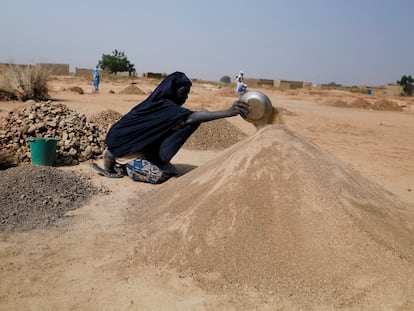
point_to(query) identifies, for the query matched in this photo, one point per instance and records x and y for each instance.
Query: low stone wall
(55, 69)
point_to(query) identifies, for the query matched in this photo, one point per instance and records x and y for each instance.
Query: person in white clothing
(241, 86)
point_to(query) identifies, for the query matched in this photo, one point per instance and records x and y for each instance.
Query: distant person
(241, 86)
(96, 78)
(143, 142)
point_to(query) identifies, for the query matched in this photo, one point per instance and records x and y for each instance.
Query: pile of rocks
(215, 135)
(79, 139)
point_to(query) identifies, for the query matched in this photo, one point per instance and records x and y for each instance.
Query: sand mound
(274, 215)
(132, 90)
(360, 103)
(76, 89)
(384, 104)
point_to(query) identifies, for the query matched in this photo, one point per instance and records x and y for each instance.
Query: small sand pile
(336, 102)
(76, 89)
(384, 104)
(132, 90)
(360, 103)
(275, 216)
(381, 104)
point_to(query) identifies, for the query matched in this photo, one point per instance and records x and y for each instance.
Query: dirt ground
(313, 214)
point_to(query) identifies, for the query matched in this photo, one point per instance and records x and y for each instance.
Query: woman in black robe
(146, 138)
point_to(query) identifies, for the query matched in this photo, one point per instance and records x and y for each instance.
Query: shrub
(407, 82)
(24, 83)
(225, 79)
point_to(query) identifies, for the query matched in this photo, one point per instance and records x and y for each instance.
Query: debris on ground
(34, 197)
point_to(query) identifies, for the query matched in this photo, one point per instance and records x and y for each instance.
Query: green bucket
(43, 150)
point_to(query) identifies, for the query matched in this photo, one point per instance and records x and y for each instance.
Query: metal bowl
(261, 108)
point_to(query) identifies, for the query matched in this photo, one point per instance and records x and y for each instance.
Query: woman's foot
(108, 161)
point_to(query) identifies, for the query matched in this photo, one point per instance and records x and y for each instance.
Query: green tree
(225, 79)
(407, 84)
(117, 62)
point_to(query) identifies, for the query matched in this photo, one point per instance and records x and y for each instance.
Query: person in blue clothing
(96, 78)
(144, 141)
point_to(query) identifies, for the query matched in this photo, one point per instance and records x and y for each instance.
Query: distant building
(288, 85)
(52, 69)
(87, 72)
(394, 89)
(83, 72)
(282, 84)
(251, 82)
(5, 66)
(55, 69)
(154, 75)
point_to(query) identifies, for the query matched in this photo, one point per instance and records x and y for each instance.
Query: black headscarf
(151, 120)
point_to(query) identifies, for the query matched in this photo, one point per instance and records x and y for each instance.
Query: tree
(225, 79)
(407, 84)
(117, 62)
(334, 84)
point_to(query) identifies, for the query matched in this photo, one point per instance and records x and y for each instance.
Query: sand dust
(313, 214)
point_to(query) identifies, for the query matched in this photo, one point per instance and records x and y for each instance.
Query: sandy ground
(93, 261)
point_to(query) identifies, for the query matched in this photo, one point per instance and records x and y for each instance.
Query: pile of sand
(381, 104)
(275, 215)
(132, 90)
(335, 102)
(385, 104)
(360, 103)
(76, 89)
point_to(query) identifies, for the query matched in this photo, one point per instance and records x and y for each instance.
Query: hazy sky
(351, 42)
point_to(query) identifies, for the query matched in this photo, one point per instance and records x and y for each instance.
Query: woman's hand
(239, 107)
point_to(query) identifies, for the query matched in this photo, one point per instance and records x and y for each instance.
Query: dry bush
(24, 83)
(360, 103)
(384, 104)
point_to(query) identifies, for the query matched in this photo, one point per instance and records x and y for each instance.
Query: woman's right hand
(239, 107)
